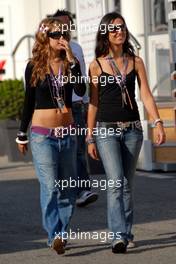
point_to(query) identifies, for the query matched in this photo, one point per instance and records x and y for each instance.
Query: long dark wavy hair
(102, 42)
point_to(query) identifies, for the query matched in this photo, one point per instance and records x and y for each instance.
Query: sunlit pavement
(22, 239)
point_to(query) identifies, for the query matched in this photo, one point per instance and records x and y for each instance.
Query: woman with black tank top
(114, 122)
(48, 103)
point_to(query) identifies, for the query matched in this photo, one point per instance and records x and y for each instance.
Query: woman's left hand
(161, 136)
(65, 45)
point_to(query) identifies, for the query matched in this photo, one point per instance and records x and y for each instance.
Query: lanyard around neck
(122, 80)
(58, 79)
(115, 68)
(57, 83)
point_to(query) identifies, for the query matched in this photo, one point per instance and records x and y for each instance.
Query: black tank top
(110, 98)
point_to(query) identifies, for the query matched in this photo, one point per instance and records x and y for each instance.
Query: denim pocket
(37, 138)
(138, 132)
(101, 132)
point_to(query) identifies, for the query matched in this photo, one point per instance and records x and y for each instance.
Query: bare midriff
(52, 118)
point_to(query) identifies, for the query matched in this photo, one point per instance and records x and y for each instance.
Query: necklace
(58, 88)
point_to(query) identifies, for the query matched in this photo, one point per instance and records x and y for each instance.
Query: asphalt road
(22, 239)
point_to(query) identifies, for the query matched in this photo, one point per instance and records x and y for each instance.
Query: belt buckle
(123, 125)
(58, 132)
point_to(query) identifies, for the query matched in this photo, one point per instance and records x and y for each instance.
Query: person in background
(79, 110)
(113, 108)
(48, 105)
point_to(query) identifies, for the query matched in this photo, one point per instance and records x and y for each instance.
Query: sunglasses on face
(58, 35)
(117, 28)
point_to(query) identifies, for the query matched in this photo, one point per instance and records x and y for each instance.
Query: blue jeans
(79, 119)
(119, 154)
(54, 161)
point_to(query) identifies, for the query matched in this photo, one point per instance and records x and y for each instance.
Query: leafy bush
(11, 99)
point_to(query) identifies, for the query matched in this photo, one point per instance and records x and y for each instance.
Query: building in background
(147, 21)
(19, 18)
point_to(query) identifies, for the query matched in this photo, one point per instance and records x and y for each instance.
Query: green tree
(11, 99)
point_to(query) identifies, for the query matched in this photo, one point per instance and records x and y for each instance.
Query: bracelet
(159, 120)
(21, 141)
(90, 141)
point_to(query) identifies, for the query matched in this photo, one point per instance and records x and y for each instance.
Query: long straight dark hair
(102, 42)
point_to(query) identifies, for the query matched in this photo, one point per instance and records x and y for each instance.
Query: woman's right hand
(23, 148)
(92, 150)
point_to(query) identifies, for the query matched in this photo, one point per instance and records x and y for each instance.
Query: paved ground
(22, 239)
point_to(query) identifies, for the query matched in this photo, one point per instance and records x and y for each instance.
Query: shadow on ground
(20, 216)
